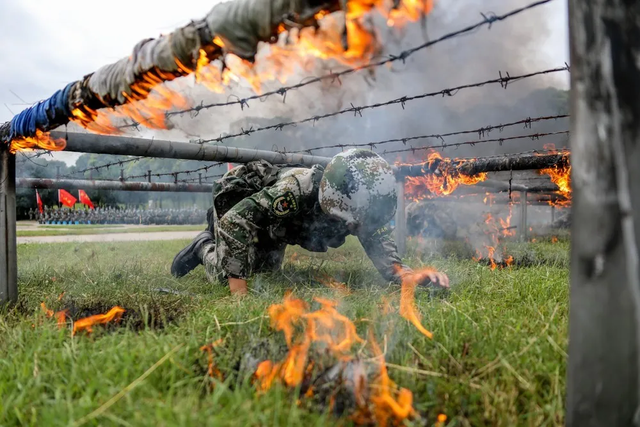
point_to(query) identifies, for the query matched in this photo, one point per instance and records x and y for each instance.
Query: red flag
(84, 199)
(229, 166)
(39, 201)
(66, 198)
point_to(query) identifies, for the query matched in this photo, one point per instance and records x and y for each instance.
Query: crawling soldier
(259, 209)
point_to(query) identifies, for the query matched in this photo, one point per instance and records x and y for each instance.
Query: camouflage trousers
(265, 256)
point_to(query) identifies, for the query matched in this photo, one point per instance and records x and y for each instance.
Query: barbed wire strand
(503, 80)
(480, 131)
(533, 136)
(487, 19)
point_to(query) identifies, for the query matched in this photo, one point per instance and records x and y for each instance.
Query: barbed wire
(480, 131)
(503, 80)
(175, 173)
(487, 19)
(533, 136)
(204, 178)
(103, 166)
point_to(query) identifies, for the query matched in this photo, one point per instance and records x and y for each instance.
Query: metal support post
(524, 229)
(553, 214)
(401, 220)
(8, 254)
(149, 175)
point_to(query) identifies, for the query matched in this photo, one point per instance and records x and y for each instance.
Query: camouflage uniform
(252, 232)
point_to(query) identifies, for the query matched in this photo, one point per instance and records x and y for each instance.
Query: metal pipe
(44, 183)
(119, 145)
(8, 254)
(489, 164)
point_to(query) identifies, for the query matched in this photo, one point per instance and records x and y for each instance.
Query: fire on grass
(324, 358)
(496, 230)
(85, 324)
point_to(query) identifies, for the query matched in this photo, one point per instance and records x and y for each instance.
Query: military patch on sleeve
(284, 204)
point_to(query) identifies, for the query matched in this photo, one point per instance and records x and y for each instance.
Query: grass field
(497, 357)
(71, 230)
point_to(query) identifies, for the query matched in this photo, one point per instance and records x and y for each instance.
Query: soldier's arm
(239, 227)
(381, 249)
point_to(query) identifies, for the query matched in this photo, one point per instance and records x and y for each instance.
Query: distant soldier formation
(112, 215)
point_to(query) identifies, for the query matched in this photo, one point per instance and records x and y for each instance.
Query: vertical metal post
(8, 254)
(553, 214)
(149, 175)
(401, 220)
(524, 229)
(121, 174)
(603, 383)
(200, 178)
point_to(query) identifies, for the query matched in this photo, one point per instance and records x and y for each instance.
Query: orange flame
(212, 369)
(331, 283)
(42, 140)
(407, 293)
(388, 407)
(86, 323)
(561, 176)
(444, 179)
(554, 239)
(494, 233)
(61, 316)
(301, 329)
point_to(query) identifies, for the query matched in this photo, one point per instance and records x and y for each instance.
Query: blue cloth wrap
(45, 115)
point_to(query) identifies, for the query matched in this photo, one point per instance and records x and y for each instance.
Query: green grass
(497, 357)
(71, 230)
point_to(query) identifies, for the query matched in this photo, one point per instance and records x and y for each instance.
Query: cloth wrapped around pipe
(239, 24)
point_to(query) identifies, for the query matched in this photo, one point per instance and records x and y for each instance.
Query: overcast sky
(46, 44)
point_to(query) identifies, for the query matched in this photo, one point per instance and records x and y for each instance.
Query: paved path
(115, 237)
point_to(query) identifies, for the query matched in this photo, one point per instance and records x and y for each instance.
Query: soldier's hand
(436, 278)
(238, 286)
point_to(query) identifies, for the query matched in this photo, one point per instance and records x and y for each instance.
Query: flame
(42, 140)
(212, 369)
(61, 316)
(407, 304)
(86, 323)
(300, 328)
(561, 176)
(442, 177)
(442, 418)
(554, 239)
(495, 229)
(389, 401)
(333, 284)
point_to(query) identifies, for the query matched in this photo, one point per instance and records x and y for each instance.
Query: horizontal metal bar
(84, 184)
(126, 146)
(489, 164)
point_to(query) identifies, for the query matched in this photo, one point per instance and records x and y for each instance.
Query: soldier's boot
(191, 256)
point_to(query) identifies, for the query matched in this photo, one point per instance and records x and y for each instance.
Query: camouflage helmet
(358, 186)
